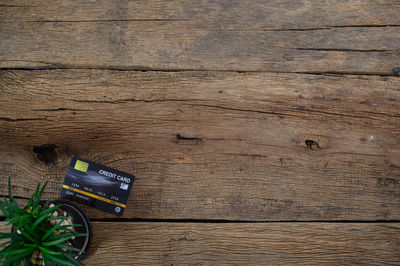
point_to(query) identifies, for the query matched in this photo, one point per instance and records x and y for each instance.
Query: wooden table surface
(260, 132)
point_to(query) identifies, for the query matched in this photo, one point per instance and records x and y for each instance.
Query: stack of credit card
(97, 185)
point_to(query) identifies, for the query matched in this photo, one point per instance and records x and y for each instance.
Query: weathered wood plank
(224, 14)
(213, 145)
(261, 243)
(277, 36)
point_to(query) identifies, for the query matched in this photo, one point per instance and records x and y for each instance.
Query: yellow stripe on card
(94, 196)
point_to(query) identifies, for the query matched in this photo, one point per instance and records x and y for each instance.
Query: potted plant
(43, 232)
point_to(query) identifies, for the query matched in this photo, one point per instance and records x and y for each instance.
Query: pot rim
(87, 225)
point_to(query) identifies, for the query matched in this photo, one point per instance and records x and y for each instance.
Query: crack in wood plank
(7, 119)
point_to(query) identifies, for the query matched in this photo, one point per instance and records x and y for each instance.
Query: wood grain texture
(212, 145)
(225, 14)
(275, 36)
(250, 244)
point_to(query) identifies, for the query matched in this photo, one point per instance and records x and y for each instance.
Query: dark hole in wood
(311, 144)
(396, 70)
(46, 153)
(180, 137)
(185, 140)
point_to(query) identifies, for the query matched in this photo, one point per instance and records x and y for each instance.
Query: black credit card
(97, 185)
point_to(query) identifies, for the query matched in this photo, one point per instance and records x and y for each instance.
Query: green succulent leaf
(72, 259)
(15, 259)
(49, 210)
(4, 209)
(10, 196)
(59, 259)
(9, 235)
(35, 196)
(15, 244)
(25, 261)
(55, 242)
(46, 204)
(48, 262)
(62, 246)
(39, 220)
(19, 220)
(14, 208)
(31, 245)
(51, 230)
(67, 228)
(5, 243)
(49, 251)
(39, 194)
(30, 202)
(30, 238)
(35, 210)
(19, 251)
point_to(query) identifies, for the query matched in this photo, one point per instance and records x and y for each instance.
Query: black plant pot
(78, 216)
